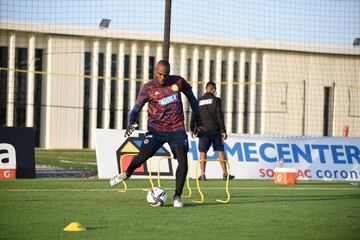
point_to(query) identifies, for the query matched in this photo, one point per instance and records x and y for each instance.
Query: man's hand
(130, 129)
(223, 136)
(198, 131)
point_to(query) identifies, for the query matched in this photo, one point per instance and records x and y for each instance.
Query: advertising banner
(17, 158)
(249, 157)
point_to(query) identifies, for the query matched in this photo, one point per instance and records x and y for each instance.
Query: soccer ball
(156, 196)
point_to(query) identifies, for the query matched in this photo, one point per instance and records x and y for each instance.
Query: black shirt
(211, 113)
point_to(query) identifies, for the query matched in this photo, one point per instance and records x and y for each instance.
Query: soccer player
(165, 123)
(215, 131)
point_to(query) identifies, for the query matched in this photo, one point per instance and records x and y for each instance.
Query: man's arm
(139, 103)
(192, 122)
(133, 120)
(134, 113)
(186, 89)
(195, 108)
(220, 116)
(193, 125)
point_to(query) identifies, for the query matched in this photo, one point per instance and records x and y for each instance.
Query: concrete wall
(62, 111)
(318, 71)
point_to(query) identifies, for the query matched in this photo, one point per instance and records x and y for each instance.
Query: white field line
(74, 162)
(141, 189)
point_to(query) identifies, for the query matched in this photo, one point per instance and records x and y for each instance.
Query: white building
(59, 80)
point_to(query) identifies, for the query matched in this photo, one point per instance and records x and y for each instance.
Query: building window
(38, 95)
(113, 90)
(126, 89)
(126, 66)
(200, 70)
(200, 77)
(151, 67)
(20, 87)
(223, 71)
(246, 99)
(3, 84)
(328, 110)
(235, 95)
(223, 79)
(258, 98)
(87, 81)
(100, 99)
(212, 70)
(189, 68)
(236, 70)
(139, 64)
(139, 73)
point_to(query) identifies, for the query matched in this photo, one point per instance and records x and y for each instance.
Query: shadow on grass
(205, 204)
(327, 184)
(275, 198)
(306, 198)
(95, 228)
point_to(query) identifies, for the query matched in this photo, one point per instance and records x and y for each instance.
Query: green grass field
(68, 159)
(40, 209)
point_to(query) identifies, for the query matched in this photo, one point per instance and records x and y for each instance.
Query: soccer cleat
(118, 178)
(177, 202)
(231, 177)
(202, 178)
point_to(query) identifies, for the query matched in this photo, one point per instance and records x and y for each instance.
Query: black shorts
(154, 140)
(208, 138)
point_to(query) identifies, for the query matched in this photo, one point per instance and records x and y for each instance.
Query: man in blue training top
(165, 123)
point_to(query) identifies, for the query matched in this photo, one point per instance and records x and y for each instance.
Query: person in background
(215, 131)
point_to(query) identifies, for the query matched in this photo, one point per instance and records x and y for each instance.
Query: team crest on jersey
(174, 87)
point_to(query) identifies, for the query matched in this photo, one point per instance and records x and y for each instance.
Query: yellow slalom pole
(188, 181)
(158, 173)
(150, 177)
(198, 184)
(227, 183)
(202, 200)
(121, 170)
(187, 177)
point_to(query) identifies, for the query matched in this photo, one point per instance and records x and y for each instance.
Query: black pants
(179, 146)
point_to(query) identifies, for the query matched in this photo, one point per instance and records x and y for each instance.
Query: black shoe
(202, 178)
(231, 177)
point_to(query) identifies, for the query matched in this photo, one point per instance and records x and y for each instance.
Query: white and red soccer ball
(156, 197)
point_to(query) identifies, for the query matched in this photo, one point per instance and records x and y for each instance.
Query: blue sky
(310, 21)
